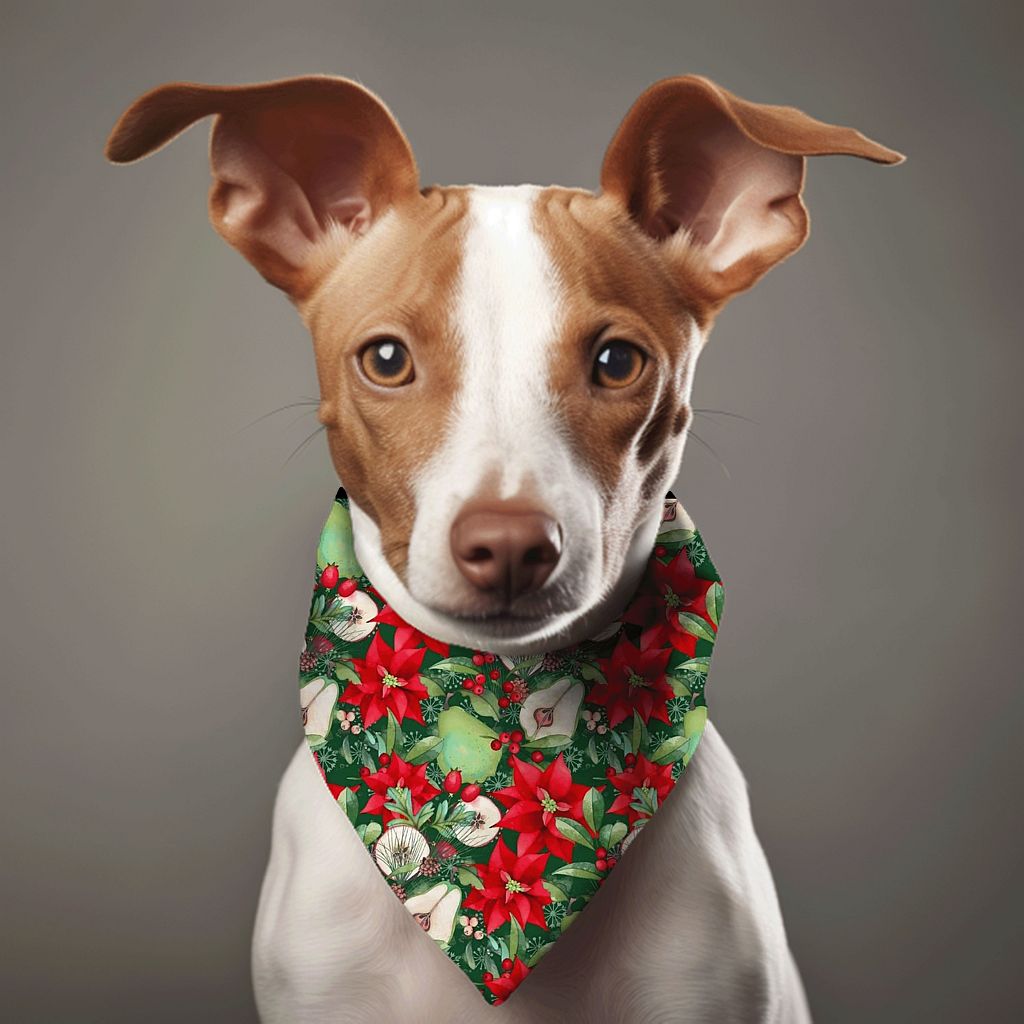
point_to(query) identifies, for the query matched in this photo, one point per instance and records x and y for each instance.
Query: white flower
(400, 851)
(434, 910)
(358, 625)
(317, 700)
(552, 712)
(484, 826)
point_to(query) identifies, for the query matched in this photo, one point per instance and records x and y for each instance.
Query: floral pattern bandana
(496, 794)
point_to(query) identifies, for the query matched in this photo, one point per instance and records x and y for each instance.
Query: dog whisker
(725, 412)
(700, 440)
(302, 444)
(284, 408)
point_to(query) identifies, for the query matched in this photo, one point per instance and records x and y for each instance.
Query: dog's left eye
(618, 364)
(387, 363)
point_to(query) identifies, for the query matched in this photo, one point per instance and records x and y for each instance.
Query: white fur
(688, 926)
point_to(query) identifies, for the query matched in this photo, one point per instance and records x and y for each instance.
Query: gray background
(156, 552)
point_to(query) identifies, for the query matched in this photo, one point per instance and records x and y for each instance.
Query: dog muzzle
(496, 794)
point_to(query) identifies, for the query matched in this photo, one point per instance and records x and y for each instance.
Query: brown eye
(618, 364)
(387, 363)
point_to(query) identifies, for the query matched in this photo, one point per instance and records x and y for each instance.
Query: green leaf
(458, 666)
(468, 957)
(574, 832)
(568, 920)
(394, 738)
(469, 877)
(612, 834)
(485, 704)
(346, 750)
(424, 750)
(548, 742)
(370, 832)
(349, 803)
(714, 600)
(344, 671)
(696, 625)
(676, 537)
(592, 750)
(490, 964)
(432, 686)
(516, 938)
(699, 666)
(679, 687)
(558, 894)
(579, 869)
(593, 808)
(589, 671)
(639, 735)
(671, 750)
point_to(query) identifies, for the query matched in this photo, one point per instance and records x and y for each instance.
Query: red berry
(347, 587)
(329, 577)
(513, 748)
(467, 684)
(660, 551)
(506, 964)
(505, 737)
(487, 976)
(612, 861)
(537, 756)
(364, 771)
(470, 792)
(600, 853)
(478, 688)
(480, 678)
(503, 702)
(601, 864)
(495, 744)
(489, 658)
(510, 761)
(478, 659)
(517, 735)
(609, 772)
(495, 674)
(630, 760)
(385, 759)
(507, 687)
(453, 781)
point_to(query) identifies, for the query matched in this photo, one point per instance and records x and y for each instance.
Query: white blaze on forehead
(507, 312)
(503, 434)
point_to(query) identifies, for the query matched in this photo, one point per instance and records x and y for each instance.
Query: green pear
(318, 700)
(336, 546)
(466, 745)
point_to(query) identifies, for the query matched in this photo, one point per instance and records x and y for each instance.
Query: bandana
(496, 794)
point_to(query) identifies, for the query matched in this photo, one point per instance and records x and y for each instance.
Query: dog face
(505, 373)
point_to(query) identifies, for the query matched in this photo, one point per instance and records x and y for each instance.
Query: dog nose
(506, 549)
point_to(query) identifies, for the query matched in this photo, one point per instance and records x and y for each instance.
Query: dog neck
(559, 632)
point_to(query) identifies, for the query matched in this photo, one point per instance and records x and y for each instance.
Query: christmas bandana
(495, 794)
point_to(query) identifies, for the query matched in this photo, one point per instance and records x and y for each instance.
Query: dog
(505, 378)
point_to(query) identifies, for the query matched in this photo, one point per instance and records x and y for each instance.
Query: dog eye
(387, 363)
(618, 364)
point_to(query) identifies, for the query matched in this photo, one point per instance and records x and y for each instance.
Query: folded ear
(292, 161)
(693, 159)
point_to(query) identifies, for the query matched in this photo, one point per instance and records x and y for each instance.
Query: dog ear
(692, 163)
(292, 161)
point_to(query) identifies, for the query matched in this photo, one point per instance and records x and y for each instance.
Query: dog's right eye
(386, 362)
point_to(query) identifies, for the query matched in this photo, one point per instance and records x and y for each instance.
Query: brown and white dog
(505, 379)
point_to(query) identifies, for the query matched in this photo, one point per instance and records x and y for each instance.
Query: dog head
(505, 373)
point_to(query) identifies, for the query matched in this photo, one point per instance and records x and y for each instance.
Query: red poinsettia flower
(644, 775)
(388, 681)
(399, 774)
(513, 887)
(671, 587)
(535, 799)
(634, 681)
(508, 982)
(406, 635)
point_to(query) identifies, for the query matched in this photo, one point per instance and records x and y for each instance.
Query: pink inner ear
(728, 191)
